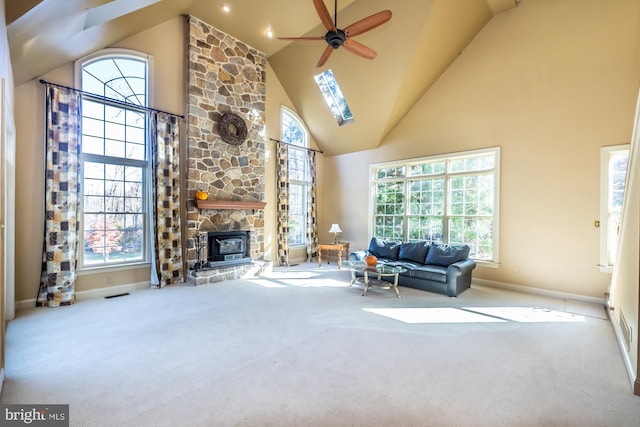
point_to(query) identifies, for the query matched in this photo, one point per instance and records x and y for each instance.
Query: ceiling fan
(336, 37)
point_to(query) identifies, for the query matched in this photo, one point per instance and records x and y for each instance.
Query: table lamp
(335, 229)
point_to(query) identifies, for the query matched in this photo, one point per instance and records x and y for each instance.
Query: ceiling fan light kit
(336, 37)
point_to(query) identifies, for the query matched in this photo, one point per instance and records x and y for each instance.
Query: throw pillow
(415, 251)
(384, 249)
(446, 255)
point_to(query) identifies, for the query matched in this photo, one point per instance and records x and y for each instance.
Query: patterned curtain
(167, 267)
(282, 164)
(312, 210)
(62, 204)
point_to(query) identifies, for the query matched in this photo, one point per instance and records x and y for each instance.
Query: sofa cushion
(446, 255)
(415, 251)
(404, 264)
(436, 273)
(384, 249)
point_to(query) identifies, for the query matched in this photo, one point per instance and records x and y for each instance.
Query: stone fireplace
(224, 76)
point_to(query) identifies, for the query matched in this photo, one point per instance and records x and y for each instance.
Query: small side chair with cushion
(444, 269)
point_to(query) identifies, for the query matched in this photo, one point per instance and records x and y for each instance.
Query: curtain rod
(105, 98)
(297, 146)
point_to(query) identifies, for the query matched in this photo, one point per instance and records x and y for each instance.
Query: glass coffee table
(378, 271)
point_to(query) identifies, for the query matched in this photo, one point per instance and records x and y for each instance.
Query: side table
(338, 246)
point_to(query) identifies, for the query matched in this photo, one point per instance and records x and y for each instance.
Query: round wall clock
(232, 129)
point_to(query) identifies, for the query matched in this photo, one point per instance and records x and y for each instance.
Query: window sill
(606, 268)
(86, 271)
(488, 264)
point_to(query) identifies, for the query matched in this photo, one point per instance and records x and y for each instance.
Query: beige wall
(29, 188)
(550, 83)
(276, 96)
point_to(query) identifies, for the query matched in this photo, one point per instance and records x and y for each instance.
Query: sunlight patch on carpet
(289, 274)
(433, 315)
(316, 283)
(266, 283)
(528, 314)
(476, 315)
(303, 282)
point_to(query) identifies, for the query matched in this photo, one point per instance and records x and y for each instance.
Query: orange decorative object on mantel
(201, 195)
(371, 260)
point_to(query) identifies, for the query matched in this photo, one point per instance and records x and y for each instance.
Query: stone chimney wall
(224, 76)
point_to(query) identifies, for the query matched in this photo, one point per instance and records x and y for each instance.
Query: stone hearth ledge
(213, 275)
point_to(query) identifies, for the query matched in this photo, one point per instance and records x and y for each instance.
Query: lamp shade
(335, 228)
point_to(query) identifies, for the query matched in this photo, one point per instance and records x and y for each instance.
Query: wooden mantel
(229, 204)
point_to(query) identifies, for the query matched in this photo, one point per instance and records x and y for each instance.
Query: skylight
(333, 97)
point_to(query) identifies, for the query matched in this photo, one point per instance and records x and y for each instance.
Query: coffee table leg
(353, 278)
(395, 285)
(366, 283)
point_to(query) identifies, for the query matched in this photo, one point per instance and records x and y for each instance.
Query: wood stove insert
(228, 248)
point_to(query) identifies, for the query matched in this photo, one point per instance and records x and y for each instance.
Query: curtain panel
(168, 264)
(282, 189)
(312, 209)
(62, 202)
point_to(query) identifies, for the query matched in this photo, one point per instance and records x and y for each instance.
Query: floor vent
(626, 331)
(117, 295)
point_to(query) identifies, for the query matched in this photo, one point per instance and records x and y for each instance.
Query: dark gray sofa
(444, 269)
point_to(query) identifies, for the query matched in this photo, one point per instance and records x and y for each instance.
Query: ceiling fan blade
(368, 23)
(325, 17)
(325, 55)
(359, 49)
(302, 38)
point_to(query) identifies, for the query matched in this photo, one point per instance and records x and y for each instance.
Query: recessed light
(226, 8)
(269, 33)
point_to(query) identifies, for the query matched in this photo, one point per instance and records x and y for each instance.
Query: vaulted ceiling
(414, 48)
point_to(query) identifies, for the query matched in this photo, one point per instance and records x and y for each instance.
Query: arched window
(115, 158)
(294, 132)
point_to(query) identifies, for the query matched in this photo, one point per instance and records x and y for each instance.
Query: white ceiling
(414, 48)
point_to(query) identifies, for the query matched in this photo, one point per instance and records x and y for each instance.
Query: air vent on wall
(626, 331)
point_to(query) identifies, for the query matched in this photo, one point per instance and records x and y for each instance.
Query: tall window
(293, 132)
(115, 158)
(451, 199)
(613, 171)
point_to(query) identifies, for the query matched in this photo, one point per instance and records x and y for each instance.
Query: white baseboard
(538, 291)
(623, 350)
(91, 293)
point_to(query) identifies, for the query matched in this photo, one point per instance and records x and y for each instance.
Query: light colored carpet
(301, 348)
